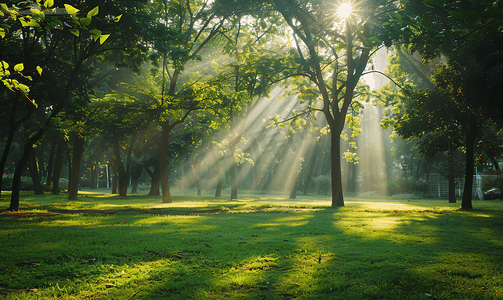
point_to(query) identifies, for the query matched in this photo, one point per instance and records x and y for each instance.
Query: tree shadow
(266, 252)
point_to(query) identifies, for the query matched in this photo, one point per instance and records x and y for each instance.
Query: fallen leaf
(242, 242)
(109, 285)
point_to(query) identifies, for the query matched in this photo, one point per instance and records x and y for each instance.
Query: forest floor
(106, 247)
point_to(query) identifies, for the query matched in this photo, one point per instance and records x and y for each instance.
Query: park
(256, 149)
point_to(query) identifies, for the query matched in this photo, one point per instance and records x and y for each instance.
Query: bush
(26, 183)
(401, 186)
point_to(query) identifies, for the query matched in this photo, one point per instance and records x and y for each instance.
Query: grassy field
(105, 247)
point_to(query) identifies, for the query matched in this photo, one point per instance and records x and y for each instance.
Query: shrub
(26, 183)
(400, 186)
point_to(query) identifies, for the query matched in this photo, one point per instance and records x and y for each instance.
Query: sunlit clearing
(345, 10)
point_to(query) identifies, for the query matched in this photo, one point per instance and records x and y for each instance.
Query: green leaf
(118, 18)
(23, 87)
(19, 67)
(30, 23)
(95, 33)
(49, 3)
(93, 12)
(85, 21)
(4, 6)
(75, 32)
(398, 16)
(39, 70)
(57, 21)
(70, 9)
(103, 38)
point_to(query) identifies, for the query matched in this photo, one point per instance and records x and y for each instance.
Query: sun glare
(345, 10)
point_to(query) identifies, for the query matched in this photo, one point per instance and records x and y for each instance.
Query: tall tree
(457, 29)
(333, 51)
(186, 28)
(35, 44)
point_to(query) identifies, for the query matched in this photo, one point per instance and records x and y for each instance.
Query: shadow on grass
(235, 250)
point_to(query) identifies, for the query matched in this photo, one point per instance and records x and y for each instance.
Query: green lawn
(105, 247)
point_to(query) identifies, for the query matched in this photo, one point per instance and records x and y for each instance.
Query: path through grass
(104, 247)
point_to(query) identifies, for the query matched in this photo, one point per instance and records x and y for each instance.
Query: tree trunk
(163, 164)
(56, 174)
(127, 174)
(218, 167)
(466, 203)
(16, 181)
(293, 192)
(232, 172)
(14, 125)
(121, 172)
(94, 173)
(50, 163)
(335, 157)
(155, 175)
(33, 165)
(78, 149)
(183, 179)
(195, 171)
(136, 171)
(115, 178)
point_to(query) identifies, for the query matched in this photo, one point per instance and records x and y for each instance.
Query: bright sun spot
(344, 10)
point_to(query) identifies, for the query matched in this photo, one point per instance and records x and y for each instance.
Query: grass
(105, 247)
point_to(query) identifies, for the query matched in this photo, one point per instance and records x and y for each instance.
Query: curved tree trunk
(16, 181)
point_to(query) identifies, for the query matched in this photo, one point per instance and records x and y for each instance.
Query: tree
(186, 28)
(36, 43)
(456, 29)
(333, 54)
